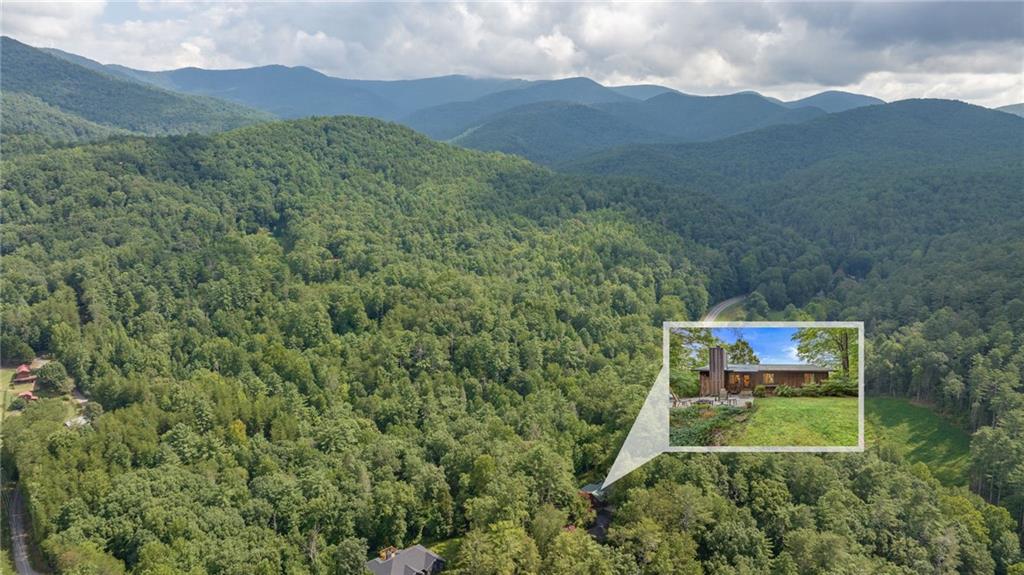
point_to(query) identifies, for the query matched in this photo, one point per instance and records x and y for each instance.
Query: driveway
(721, 306)
(19, 535)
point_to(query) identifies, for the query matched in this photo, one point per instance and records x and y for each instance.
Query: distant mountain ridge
(550, 132)
(833, 101)
(311, 91)
(785, 169)
(94, 101)
(449, 120)
(299, 91)
(559, 132)
(555, 122)
(1015, 109)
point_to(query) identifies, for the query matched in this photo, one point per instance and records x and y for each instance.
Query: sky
(771, 344)
(966, 51)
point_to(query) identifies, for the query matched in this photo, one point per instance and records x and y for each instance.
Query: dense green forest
(917, 207)
(317, 338)
(550, 132)
(31, 125)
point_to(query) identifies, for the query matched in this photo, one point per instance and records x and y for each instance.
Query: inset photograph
(747, 384)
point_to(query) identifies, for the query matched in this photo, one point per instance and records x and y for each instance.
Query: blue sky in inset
(771, 344)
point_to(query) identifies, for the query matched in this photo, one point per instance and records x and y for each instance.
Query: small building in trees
(593, 493)
(721, 377)
(28, 396)
(23, 374)
(415, 560)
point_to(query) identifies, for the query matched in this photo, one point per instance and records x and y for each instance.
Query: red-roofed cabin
(23, 374)
(28, 395)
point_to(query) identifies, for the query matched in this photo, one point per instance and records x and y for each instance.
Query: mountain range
(480, 113)
(56, 92)
(553, 122)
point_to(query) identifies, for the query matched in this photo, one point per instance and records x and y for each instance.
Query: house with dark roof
(415, 560)
(720, 377)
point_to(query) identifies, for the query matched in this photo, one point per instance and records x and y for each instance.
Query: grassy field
(774, 421)
(921, 435)
(446, 548)
(804, 421)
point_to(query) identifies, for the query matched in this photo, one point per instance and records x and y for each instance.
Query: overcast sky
(972, 52)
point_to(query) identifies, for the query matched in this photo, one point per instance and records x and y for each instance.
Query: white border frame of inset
(666, 332)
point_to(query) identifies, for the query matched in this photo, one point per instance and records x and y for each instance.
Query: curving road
(19, 537)
(721, 306)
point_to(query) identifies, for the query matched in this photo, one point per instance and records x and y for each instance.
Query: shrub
(840, 385)
(701, 425)
(92, 410)
(760, 391)
(18, 404)
(836, 386)
(787, 391)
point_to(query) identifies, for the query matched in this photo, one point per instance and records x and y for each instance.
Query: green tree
(837, 347)
(53, 378)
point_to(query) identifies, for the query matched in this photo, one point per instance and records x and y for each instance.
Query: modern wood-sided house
(720, 377)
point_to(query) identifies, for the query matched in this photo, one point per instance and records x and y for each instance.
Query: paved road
(721, 306)
(19, 537)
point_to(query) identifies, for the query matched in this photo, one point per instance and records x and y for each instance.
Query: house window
(769, 378)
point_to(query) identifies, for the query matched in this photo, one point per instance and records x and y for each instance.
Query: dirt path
(721, 306)
(19, 536)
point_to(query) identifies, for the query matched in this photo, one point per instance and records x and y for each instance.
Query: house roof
(411, 561)
(594, 490)
(753, 367)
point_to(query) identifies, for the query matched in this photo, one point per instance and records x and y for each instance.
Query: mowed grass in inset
(921, 435)
(799, 421)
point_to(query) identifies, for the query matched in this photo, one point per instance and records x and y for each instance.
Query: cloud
(967, 51)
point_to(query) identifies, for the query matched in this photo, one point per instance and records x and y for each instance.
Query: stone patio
(733, 400)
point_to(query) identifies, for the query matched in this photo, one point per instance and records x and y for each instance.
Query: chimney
(716, 369)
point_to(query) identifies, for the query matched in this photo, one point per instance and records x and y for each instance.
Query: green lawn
(799, 421)
(921, 435)
(446, 548)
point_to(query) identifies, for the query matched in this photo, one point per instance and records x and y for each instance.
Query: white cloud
(894, 51)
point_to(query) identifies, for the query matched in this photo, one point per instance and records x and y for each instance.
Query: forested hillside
(555, 133)
(687, 118)
(551, 132)
(29, 124)
(917, 206)
(317, 338)
(92, 97)
(448, 120)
